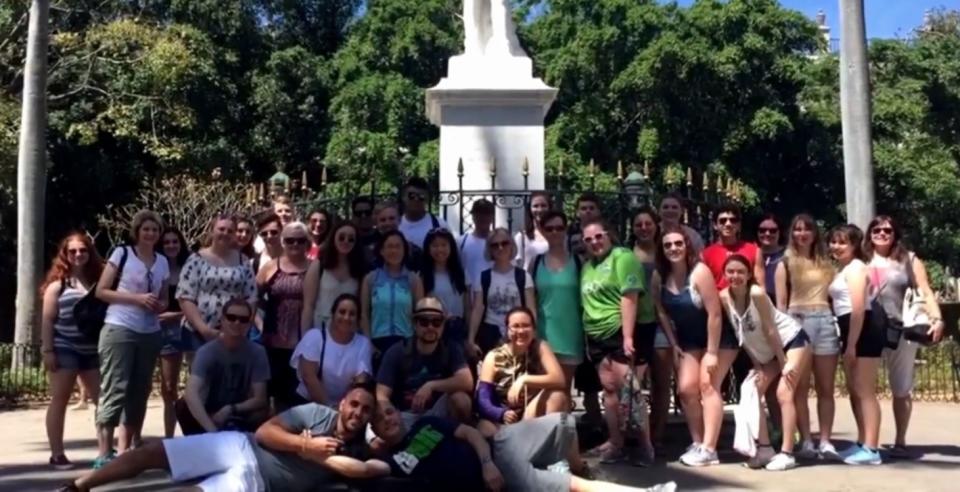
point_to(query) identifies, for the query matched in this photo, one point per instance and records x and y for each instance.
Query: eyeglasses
(728, 220)
(596, 238)
(234, 318)
(416, 196)
(500, 245)
(432, 322)
(553, 229)
(269, 233)
(674, 245)
(768, 230)
(78, 251)
(882, 230)
(290, 241)
(346, 239)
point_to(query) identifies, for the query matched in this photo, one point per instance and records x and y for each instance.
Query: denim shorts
(75, 361)
(660, 340)
(821, 326)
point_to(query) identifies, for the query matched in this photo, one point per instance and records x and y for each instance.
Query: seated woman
(328, 358)
(520, 379)
(776, 344)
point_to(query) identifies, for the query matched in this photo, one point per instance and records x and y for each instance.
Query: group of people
(471, 340)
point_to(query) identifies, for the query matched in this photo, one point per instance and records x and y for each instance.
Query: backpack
(541, 258)
(90, 312)
(519, 276)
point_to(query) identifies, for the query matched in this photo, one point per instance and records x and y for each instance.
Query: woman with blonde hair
(67, 353)
(802, 282)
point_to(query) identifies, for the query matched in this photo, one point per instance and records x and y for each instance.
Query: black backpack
(519, 276)
(90, 312)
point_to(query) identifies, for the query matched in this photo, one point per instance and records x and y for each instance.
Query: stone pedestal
(490, 109)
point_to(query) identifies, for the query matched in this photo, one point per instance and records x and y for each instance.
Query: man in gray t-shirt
(302, 449)
(227, 389)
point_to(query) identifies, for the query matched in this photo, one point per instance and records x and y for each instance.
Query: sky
(885, 18)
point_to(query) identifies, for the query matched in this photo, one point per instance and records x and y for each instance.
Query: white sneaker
(663, 487)
(689, 451)
(700, 457)
(828, 452)
(807, 451)
(781, 462)
(760, 460)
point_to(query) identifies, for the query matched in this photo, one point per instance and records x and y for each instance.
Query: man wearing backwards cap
(423, 375)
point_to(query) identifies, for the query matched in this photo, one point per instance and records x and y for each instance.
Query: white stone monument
(490, 108)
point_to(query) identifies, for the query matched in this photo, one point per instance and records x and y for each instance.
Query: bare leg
(91, 380)
(850, 372)
(169, 383)
(712, 399)
(902, 408)
(487, 428)
(568, 372)
(545, 402)
(612, 376)
(866, 380)
(800, 401)
(824, 374)
(128, 465)
(61, 386)
(786, 396)
(460, 407)
(688, 385)
(770, 371)
(660, 393)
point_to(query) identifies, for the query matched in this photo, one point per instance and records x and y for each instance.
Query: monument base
(490, 110)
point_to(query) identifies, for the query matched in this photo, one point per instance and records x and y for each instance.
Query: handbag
(633, 406)
(916, 320)
(90, 312)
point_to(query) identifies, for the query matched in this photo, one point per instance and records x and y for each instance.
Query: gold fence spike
(646, 169)
(323, 176)
(303, 182)
(689, 176)
(706, 181)
(592, 168)
(560, 167)
(620, 170)
(493, 167)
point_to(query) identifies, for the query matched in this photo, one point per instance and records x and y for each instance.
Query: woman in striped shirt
(66, 352)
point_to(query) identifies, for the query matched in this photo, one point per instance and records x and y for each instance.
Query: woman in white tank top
(776, 344)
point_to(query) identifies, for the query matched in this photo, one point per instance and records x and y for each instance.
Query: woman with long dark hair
(768, 238)
(692, 317)
(861, 342)
(779, 350)
(338, 271)
(893, 269)
(802, 284)
(67, 353)
(246, 234)
(530, 242)
(442, 275)
(320, 223)
(176, 339)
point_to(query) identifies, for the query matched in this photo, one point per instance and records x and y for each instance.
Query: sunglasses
(674, 245)
(235, 318)
(882, 230)
(768, 230)
(430, 322)
(553, 229)
(290, 241)
(595, 238)
(269, 233)
(78, 251)
(728, 220)
(500, 245)
(416, 196)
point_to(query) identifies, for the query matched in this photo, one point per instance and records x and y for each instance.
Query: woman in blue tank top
(691, 316)
(388, 295)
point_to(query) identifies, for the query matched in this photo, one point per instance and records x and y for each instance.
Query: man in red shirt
(727, 224)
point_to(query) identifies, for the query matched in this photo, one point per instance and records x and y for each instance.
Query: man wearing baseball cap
(424, 375)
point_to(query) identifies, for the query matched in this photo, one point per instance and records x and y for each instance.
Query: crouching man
(301, 449)
(451, 456)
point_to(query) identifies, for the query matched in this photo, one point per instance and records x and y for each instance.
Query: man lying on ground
(299, 450)
(452, 456)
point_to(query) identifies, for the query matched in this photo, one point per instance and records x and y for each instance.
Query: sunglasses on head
(236, 318)
(290, 241)
(433, 322)
(269, 233)
(882, 230)
(728, 220)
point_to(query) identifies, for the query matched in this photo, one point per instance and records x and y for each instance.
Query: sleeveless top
(840, 290)
(685, 308)
(808, 283)
(749, 329)
(211, 286)
(770, 263)
(889, 282)
(391, 305)
(508, 367)
(329, 289)
(559, 319)
(281, 324)
(65, 332)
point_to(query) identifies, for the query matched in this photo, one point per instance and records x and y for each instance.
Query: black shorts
(800, 340)
(695, 338)
(871, 341)
(612, 347)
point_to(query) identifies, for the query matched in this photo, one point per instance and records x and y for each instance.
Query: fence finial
(706, 181)
(303, 182)
(526, 166)
(460, 168)
(620, 170)
(323, 177)
(560, 167)
(689, 176)
(592, 170)
(493, 167)
(646, 169)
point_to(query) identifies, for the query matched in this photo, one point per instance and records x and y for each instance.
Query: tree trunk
(31, 185)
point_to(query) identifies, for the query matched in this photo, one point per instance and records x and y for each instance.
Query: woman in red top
(729, 243)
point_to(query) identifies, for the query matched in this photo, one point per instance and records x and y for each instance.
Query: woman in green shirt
(556, 275)
(619, 321)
